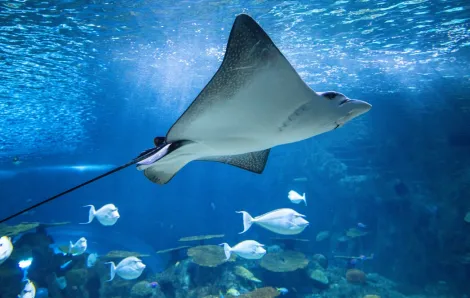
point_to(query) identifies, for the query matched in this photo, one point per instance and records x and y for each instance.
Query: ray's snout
(359, 107)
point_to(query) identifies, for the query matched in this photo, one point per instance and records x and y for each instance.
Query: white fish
(129, 268)
(6, 248)
(91, 260)
(66, 264)
(78, 248)
(296, 198)
(282, 221)
(248, 249)
(29, 290)
(106, 215)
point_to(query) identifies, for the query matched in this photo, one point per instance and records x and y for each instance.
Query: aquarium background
(93, 82)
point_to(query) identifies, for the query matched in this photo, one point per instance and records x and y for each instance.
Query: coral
(284, 261)
(208, 255)
(289, 243)
(245, 273)
(141, 290)
(120, 254)
(200, 237)
(117, 288)
(173, 249)
(273, 248)
(321, 260)
(356, 276)
(319, 278)
(173, 255)
(266, 292)
(76, 277)
(6, 230)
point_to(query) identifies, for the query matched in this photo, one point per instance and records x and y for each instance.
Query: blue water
(93, 82)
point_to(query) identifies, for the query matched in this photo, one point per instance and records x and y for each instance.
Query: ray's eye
(330, 94)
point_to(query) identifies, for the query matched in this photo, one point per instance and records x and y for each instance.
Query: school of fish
(282, 221)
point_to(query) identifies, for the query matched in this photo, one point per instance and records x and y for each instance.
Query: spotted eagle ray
(254, 102)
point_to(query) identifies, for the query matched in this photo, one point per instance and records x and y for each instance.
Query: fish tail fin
(247, 221)
(305, 199)
(112, 271)
(70, 247)
(227, 250)
(91, 214)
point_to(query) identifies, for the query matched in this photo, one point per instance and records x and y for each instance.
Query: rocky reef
(201, 271)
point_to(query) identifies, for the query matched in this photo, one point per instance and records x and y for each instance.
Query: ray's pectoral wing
(252, 93)
(254, 161)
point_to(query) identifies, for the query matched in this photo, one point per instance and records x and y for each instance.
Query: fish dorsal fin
(254, 161)
(250, 51)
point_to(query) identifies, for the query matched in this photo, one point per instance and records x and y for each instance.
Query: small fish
(24, 264)
(283, 291)
(29, 290)
(343, 238)
(221, 295)
(106, 215)
(233, 292)
(61, 282)
(153, 285)
(322, 236)
(300, 179)
(17, 238)
(248, 249)
(65, 265)
(282, 221)
(78, 248)
(42, 293)
(91, 260)
(364, 258)
(361, 225)
(6, 248)
(129, 268)
(16, 161)
(296, 198)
